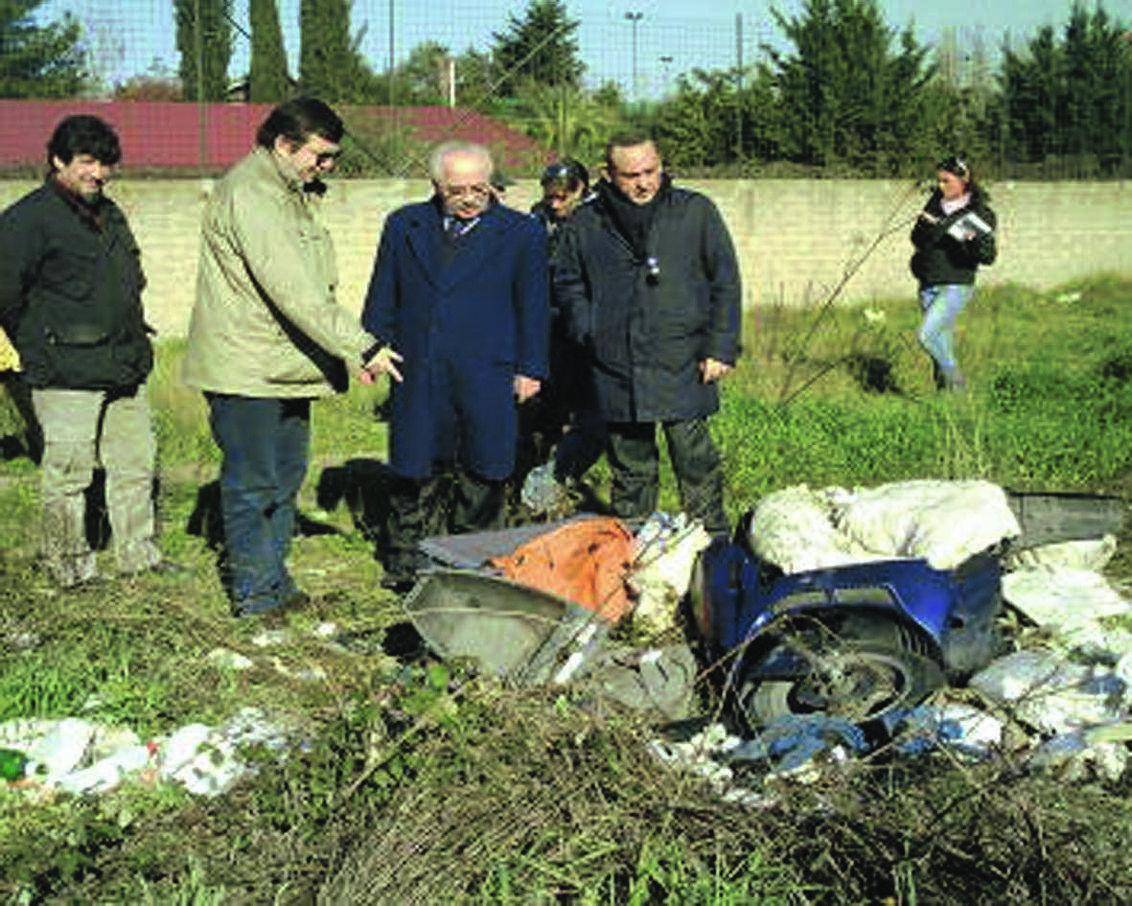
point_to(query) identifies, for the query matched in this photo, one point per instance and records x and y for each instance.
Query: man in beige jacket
(267, 336)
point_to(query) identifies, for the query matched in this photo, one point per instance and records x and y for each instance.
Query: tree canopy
(1069, 99)
(330, 64)
(39, 61)
(205, 48)
(267, 73)
(541, 46)
(847, 94)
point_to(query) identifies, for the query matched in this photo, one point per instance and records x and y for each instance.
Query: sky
(672, 36)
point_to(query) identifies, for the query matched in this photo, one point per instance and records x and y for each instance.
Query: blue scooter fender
(952, 610)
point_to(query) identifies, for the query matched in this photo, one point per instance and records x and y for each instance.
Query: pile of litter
(1062, 702)
(80, 757)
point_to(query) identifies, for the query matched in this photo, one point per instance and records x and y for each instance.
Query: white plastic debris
(1074, 603)
(227, 659)
(305, 674)
(1089, 553)
(79, 757)
(979, 732)
(663, 571)
(1097, 751)
(60, 750)
(1048, 694)
(697, 757)
(206, 760)
(106, 773)
(271, 638)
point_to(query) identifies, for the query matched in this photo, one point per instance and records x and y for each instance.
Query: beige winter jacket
(265, 322)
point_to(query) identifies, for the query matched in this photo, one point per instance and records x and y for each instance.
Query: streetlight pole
(634, 17)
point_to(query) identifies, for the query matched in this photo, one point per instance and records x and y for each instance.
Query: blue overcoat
(467, 316)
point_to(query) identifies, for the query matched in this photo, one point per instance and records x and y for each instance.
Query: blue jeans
(941, 305)
(265, 445)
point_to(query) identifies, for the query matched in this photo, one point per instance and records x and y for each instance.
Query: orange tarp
(585, 562)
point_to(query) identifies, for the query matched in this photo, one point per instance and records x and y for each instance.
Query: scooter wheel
(858, 671)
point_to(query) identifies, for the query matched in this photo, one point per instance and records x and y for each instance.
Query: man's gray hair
(441, 151)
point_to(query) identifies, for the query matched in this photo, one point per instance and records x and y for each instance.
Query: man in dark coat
(459, 290)
(648, 281)
(70, 299)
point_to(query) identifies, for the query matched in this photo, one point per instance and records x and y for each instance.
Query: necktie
(456, 228)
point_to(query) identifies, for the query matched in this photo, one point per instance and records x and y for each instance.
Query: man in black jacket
(647, 278)
(70, 298)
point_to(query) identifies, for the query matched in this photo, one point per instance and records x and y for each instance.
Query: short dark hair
(297, 120)
(628, 140)
(83, 134)
(566, 172)
(957, 164)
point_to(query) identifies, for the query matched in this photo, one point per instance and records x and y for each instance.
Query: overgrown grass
(417, 785)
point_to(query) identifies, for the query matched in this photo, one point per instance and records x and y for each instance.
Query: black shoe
(276, 617)
(260, 607)
(398, 584)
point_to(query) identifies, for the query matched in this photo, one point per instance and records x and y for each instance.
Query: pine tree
(267, 75)
(205, 47)
(1068, 102)
(39, 61)
(846, 94)
(330, 65)
(541, 46)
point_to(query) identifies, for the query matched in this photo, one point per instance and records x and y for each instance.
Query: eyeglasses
(480, 190)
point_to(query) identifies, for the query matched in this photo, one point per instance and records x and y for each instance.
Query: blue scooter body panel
(741, 597)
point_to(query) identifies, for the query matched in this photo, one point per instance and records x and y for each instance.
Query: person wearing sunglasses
(267, 336)
(953, 235)
(460, 290)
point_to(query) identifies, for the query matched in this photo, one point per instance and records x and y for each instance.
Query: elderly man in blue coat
(459, 290)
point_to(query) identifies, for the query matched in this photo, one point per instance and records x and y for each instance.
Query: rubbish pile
(1061, 701)
(83, 758)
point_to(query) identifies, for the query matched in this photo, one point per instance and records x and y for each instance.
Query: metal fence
(634, 49)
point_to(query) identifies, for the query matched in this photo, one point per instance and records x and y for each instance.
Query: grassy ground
(425, 784)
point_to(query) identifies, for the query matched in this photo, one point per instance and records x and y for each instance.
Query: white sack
(793, 529)
(944, 522)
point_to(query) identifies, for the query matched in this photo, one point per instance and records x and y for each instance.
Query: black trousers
(453, 501)
(635, 461)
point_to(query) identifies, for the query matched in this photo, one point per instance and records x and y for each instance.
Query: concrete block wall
(795, 238)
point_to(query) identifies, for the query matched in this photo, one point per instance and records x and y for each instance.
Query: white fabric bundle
(944, 522)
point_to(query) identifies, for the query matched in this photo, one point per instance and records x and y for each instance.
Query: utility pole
(202, 110)
(391, 56)
(738, 87)
(635, 16)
